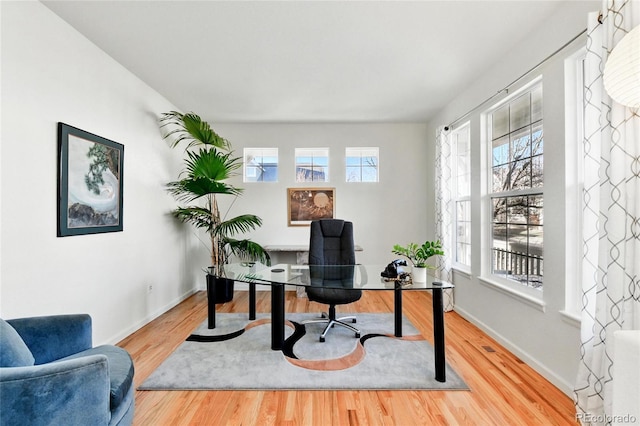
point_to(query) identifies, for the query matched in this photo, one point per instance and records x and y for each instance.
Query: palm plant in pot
(418, 255)
(209, 163)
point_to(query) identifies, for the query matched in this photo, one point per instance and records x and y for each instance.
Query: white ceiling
(306, 61)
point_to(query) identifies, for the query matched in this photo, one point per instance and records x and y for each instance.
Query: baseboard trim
(557, 381)
(146, 320)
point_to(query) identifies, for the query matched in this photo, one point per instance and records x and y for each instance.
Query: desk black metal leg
(277, 316)
(438, 335)
(252, 301)
(211, 311)
(397, 312)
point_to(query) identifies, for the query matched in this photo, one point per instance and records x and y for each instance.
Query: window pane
(499, 210)
(521, 144)
(463, 185)
(500, 178)
(521, 174)
(353, 174)
(500, 151)
(463, 253)
(536, 210)
(499, 261)
(500, 122)
(303, 161)
(517, 210)
(463, 210)
(517, 238)
(537, 144)
(536, 104)
(369, 174)
(520, 112)
(537, 171)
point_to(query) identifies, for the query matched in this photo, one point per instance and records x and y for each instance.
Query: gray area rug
(237, 355)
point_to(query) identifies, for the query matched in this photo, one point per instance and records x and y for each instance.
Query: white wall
(50, 73)
(544, 338)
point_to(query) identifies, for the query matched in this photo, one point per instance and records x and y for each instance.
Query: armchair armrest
(53, 337)
(73, 391)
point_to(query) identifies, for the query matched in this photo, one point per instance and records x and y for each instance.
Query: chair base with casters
(331, 320)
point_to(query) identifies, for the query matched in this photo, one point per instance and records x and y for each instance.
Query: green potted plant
(418, 255)
(209, 163)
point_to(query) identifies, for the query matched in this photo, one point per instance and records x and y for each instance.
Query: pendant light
(622, 70)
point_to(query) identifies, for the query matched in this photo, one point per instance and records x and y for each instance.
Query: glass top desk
(356, 277)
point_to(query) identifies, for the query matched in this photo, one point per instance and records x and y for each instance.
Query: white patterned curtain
(444, 211)
(611, 217)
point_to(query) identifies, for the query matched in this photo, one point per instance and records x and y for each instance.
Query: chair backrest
(331, 243)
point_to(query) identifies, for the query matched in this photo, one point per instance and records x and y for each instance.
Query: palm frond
(211, 164)
(202, 132)
(191, 128)
(199, 217)
(238, 225)
(248, 250)
(188, 190)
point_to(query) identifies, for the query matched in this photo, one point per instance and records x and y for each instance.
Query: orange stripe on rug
(347, 361)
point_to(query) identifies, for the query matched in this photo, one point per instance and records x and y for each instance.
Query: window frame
(250, 151)
(300, 152)
(574, 149)
(456, 198)
(501, 282)
(361, 166)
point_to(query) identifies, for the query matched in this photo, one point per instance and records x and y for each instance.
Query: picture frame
(307, 204)
(90, 183)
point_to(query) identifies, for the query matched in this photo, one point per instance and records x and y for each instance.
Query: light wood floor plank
(504, 390)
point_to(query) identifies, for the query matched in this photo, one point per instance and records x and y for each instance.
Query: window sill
(462, 270)
(532, 301)
(571, 318)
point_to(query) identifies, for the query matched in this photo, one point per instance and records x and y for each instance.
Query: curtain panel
(444, 211)
(611, 218)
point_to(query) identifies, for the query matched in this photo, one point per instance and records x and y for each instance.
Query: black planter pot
(219, 290)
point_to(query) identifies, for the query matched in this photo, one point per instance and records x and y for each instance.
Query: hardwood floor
(504, 390)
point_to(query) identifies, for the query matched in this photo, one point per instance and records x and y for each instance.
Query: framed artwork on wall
(90, 183)
(307, 204)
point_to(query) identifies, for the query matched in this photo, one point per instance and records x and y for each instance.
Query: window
(460, 140)
(312, 164)
(260, 164)
(361, 164)
(574, 152)
(516, 188)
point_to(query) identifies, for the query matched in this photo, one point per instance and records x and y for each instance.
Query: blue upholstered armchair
(50, 374)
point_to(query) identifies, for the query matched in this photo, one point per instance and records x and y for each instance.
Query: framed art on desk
(307, 204)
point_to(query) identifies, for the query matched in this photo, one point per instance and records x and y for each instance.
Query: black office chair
(331, 243)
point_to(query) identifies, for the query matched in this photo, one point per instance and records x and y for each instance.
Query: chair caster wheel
(353, 320)
(322, 339)
(357, 335)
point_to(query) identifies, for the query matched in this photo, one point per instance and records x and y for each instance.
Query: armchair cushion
(120, 370)
(15, 352)
(52, 337)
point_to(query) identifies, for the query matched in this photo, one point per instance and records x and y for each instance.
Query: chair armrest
(68, 392)
(53, 337)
